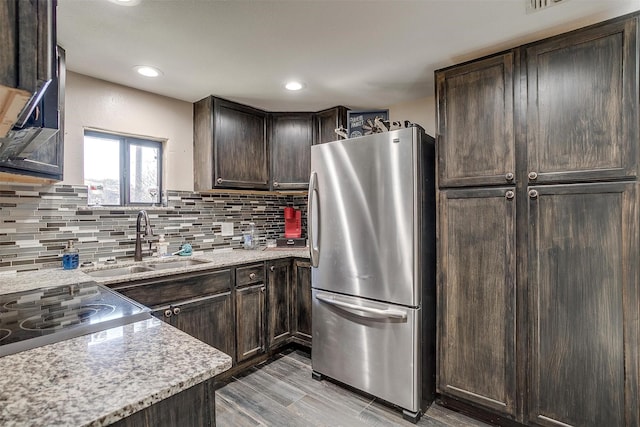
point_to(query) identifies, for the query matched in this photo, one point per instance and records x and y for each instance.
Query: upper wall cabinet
(291, 140)
(30, 62)
(326, 122)
(475, 119)
(582, 118)
(230, 145)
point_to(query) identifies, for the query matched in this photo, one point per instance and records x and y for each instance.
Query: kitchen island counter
(100, 378)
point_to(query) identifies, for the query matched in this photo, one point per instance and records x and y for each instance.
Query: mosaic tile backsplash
(37, 221)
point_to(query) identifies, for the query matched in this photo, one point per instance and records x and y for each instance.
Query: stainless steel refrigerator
(371, 229)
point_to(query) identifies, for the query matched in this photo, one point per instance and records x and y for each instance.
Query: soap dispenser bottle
(70, 256)
(162, 246)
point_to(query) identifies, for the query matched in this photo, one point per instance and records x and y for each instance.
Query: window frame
(126, 141)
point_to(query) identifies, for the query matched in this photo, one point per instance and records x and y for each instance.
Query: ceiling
(364, 54)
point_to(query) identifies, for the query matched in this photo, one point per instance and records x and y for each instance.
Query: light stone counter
(99, 378)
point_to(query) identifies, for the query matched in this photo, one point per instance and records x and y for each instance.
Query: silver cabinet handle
(509, 176)
(275, 184)
(509, 194)
(252, 276)
(272, 268)
(533, 176)
(533, 194)
(168, 312)
(314, 249)
(219, 180)
(176, 310)
(370, 311)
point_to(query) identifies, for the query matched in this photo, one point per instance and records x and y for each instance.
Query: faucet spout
(148, 231)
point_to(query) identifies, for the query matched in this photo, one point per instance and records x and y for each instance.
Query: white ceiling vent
(536, 5)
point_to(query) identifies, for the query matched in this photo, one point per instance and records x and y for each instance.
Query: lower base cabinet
(279, 294)
(250, 321)
(301, 290)
(194, 407)
(208, 319)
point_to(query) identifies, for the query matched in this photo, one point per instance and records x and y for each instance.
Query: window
(122, 170)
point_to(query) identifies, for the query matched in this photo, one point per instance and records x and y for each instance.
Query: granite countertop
(16, 282)
(99, 378)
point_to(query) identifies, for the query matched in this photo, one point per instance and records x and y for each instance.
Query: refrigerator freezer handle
(314, 247)
(370, 311)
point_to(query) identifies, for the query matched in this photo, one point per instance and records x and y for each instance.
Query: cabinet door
(279, 291)
(240, 149)
(302, 300)
(208, 319)
(476, 297)
(291, 140)
(250, 305)
(475, 123)
(583, 308)
(582, 120)
(326, 122)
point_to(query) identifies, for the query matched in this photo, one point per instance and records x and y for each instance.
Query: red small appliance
(292, 223)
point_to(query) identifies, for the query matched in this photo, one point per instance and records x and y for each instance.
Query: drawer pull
(252, 276)
(168, 312)
(176, 310)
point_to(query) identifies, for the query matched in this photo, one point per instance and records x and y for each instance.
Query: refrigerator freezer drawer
(368, 345)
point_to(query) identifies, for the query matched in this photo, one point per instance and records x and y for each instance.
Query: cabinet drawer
(250, 274)
(182, 287)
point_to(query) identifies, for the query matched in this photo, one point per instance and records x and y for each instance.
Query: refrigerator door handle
(314, 247)
(370, 311)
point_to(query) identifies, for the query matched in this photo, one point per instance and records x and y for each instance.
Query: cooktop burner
(43, 316)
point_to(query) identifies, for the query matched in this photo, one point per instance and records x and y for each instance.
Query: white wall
(97, 104)
(420, 111)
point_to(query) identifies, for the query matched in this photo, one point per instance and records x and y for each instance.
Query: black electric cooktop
(43, 316)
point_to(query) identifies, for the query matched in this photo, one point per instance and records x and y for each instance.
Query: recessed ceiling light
(294, 85)
(126, 2)
(147, 71)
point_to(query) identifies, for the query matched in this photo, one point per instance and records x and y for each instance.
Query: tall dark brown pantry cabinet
(538, 287)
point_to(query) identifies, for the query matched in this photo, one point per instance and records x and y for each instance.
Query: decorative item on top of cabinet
(250, 311)
(291, 140)
(582, 116)
(279, 302)
(475, 139)
(476, 297)
(230, 145)
(301, 288)
(326, 122)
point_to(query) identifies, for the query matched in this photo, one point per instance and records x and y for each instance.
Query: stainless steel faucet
(147, 233)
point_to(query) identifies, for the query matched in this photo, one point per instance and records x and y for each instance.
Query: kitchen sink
(133, 269)
(119, 271)
(176, 264)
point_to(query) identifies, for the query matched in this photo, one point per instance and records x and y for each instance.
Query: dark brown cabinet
(476, 296)
(193, 407)
(210, 319)
(475, 139)
(280, 299)
(326, 122)
(199, 304)
(584, 305)
(301, 288)
(538, 306)
(582, 115)
(27, 43)
(230, 145)
(250, 321)
(31, 64)
(291, 140)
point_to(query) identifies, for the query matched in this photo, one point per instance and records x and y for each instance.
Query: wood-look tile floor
(281, 392)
